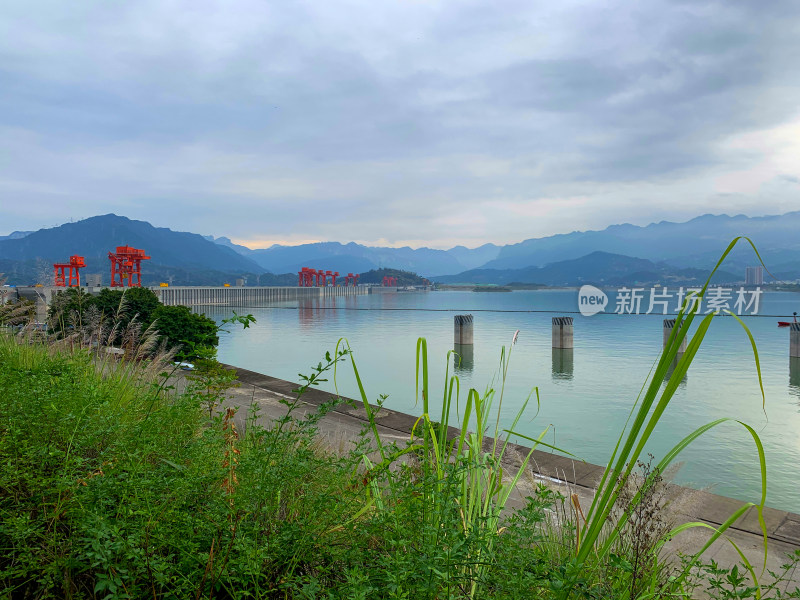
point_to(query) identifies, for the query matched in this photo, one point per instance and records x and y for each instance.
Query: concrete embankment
(342, 425)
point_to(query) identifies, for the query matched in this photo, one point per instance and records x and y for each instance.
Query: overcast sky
(407, 122)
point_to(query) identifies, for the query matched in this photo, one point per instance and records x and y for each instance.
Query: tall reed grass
(471, 461)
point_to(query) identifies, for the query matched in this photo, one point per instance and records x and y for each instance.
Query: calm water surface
(585, 397)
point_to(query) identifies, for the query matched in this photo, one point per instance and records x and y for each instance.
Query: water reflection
(464, 357)
(794, 376)
(671, 370)
(314, 312)
(563, 363)
(306, 313)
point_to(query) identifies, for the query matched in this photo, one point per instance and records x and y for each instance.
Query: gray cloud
(425, 123)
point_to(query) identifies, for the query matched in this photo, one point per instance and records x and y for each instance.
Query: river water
(585, 396)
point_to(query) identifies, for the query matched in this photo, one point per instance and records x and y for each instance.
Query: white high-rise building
(754, 276)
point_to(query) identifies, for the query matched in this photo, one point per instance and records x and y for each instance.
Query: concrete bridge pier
(462, 330)
(669, 325)
(562, 332)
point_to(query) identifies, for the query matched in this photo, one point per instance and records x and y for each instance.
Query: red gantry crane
(333, 275)
(307, 277)
(74, 279)
(126, 266)
(351, 279)
(389, 281)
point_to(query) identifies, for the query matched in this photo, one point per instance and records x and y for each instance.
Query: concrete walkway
(341, 427)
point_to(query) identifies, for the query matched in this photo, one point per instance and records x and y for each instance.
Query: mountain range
(356, 258)
(182, 257)
(695, 243)
(597, 268)
(15, 235)
(619, 254)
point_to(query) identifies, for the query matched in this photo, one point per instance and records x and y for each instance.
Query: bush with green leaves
(186, 330)
(139, 302)
(192, 335)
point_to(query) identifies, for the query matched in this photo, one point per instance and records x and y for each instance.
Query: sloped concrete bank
(344, 423)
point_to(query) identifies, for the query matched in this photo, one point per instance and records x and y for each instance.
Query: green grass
(115, 487)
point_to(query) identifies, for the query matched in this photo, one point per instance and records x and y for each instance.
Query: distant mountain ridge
(697, 243)
(357, 258)
(668, 250)
(171, 251)
(15, 235)
(597, 268)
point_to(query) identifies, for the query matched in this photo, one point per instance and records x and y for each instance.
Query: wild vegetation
(116, 486)
(122, 315)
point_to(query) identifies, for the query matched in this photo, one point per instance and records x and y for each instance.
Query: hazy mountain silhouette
(356, 258)
(667, 248)
(598, 268)
(15, 235)
(95, 237)
(697, 243)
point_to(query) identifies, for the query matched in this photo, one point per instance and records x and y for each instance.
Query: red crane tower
(126, 264)
(351, 279)
(305, 277)
(74, 279)
(389, 281)
(333, 275)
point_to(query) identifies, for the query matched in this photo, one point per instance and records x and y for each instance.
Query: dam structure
(240, 296)
(249, 296)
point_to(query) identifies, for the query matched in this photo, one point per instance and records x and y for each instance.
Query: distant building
(240, 282)
(93, 279)
(754, 276)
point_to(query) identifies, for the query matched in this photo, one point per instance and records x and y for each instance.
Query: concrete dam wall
(249, 296)
(202, 295)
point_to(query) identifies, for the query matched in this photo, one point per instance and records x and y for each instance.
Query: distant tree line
(403, 277)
